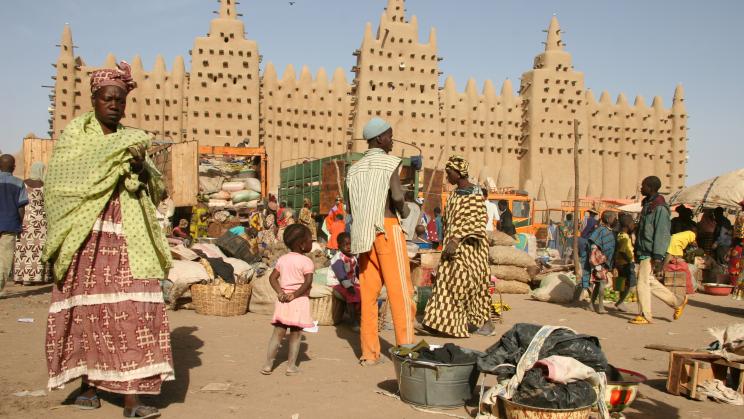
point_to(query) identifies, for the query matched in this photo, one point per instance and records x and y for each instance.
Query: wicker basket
(327, 310)
(208, 300)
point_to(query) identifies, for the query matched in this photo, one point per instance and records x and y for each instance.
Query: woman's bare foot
(294, 370)
(267, 369)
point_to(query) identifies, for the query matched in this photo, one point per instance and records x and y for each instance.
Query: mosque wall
(522, 139)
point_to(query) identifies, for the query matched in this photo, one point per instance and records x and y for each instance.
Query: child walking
(624, 259)
(291, 279)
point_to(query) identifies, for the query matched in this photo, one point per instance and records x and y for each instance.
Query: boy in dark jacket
(652, 242)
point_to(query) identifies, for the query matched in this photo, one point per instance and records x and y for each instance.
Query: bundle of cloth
(548, 367)
(555, 287)
(230, 184)
(510, 267)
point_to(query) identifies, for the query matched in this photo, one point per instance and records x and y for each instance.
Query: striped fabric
(368, 181)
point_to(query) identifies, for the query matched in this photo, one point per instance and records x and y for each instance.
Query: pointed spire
(554, 42)
(159, 67)
(470, 89)
(450, 87)
(306, 77)
(639, 102)
(227, 9)
(110, 61)
(570, 193)
(590, 97)
(136, 64)
(339, 79)
(269, 74)
(433, 37)
(678, 102)
(396, 10)
(604, 98)
(289, 73)
(322, 78)
(658, 103)
(506, 88)
(622, 100)
(65, 44)
(179, 69)
(489, 91)
(367, 34)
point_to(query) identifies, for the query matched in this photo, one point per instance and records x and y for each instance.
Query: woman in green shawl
(107, 322)
(460, 302)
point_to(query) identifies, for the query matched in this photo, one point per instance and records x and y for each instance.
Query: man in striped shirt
(376, 201)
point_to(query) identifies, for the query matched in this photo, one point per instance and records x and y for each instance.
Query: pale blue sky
(634, 46)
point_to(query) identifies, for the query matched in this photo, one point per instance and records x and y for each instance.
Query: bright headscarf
(459, 165)
(120, 76)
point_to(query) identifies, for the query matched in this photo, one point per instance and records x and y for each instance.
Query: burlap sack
(512, 287)
(497, 238)
(263, 296)
(503, 255)
(510, 273)
(556, 287)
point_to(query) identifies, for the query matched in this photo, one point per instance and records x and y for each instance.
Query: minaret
(553, 96)
(63, 104)
(678, 139)
(224, 85)
(396, 10)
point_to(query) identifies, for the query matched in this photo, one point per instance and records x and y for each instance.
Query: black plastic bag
(536, 391)
(514, 343)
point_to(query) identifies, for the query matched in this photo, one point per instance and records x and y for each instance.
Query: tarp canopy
(635, 207)
(726, 191)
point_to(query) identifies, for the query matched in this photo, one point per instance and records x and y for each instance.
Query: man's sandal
(679, 310)
(372, 363)
(639, 320)
(142, 412)
(87, 403)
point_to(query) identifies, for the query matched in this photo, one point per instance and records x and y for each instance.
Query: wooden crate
(688, 369)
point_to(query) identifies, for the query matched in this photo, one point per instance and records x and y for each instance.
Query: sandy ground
(231, 350)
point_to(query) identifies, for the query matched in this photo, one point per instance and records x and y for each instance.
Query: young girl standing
(291, 279)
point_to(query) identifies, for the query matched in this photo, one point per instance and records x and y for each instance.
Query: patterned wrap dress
(460, 296)
(27, 265)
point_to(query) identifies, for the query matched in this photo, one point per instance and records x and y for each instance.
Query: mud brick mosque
(521, 136)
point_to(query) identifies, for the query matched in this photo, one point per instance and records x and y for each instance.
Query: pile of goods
(234, 184)
(547, 367)
(509, 265)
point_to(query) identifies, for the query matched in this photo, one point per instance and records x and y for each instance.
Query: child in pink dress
(291, 279)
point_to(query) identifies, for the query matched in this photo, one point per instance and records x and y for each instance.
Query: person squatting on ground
(107, 320)
(376, 200)
(291, 278)
(343, 276)
(652, 243)
(13, 201)
(624, 259)
(460, 302)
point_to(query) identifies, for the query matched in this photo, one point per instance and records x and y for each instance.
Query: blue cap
(374, 128)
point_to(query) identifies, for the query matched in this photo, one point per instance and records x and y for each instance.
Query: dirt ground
(231, 350)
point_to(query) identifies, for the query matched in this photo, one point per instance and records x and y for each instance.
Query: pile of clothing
(509, 265)
(447, 354)
(229, 184)
(547, 367)
(205, 264)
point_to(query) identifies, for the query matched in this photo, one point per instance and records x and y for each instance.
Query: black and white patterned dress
(460, 296)
(27, 265)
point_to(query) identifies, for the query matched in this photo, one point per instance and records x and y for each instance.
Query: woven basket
(209, 301)
(327, 311)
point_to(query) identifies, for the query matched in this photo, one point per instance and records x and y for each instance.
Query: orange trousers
(387, 263)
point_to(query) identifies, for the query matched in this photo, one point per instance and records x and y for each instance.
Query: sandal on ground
(291, 373)
(372, 362)
(142, 412)
(639, 320)
(265, 371)
(679, 310)
(87, 403)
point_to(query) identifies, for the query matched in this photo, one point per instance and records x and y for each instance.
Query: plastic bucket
(434, 385)
(519, 411)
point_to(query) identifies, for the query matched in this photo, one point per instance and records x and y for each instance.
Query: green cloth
(653, 234)
(85, 169)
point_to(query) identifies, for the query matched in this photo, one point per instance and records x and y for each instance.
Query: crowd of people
(95, 220)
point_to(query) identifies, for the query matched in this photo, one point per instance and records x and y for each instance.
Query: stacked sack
(237, 193)
(509, 264)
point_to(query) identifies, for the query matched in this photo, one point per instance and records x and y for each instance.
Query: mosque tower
(397, 79)
(552, 97)
(223, 93)
(678, 141)
(64, 87)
